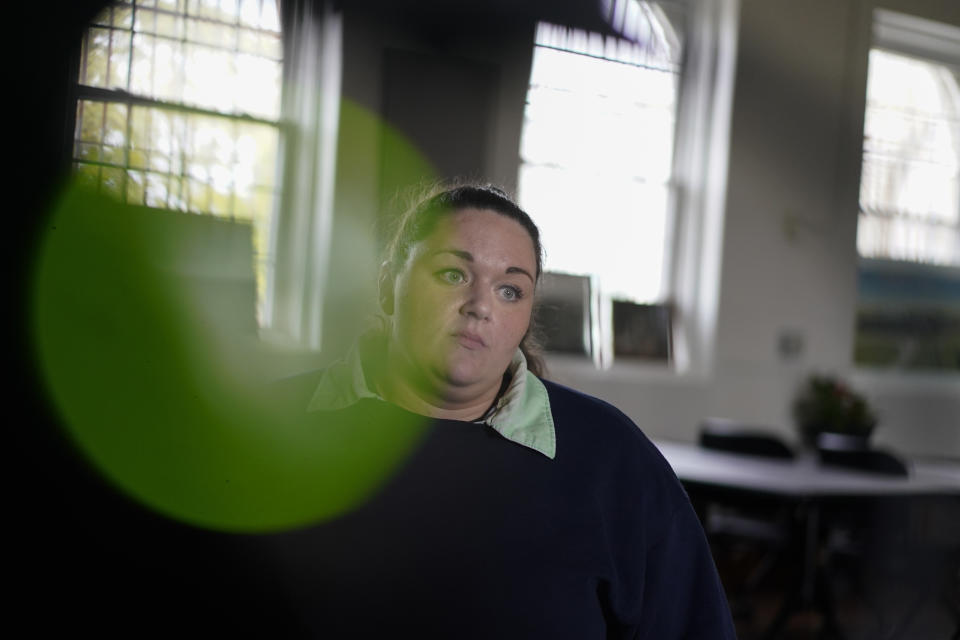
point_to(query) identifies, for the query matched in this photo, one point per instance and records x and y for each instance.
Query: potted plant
(826, 404)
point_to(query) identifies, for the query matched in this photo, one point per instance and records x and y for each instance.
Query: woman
(524, 509)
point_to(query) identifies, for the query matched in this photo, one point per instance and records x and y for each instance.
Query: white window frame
(302, 228)
(701, 156)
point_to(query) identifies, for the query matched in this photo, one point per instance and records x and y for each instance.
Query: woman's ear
(385, 284)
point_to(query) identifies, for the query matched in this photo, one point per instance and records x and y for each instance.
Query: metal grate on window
(179, 108)
(910, 184)
(221, 55)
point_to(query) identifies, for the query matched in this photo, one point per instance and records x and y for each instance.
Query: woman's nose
(478, 302)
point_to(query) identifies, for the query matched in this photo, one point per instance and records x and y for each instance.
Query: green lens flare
(167, 400)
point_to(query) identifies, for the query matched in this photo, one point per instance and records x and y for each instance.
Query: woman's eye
(511, 294)
(452, 276)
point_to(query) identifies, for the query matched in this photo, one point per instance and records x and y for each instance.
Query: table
(804, 476)
(809, 484)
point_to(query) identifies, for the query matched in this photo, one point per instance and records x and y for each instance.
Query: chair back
(728, 435)
(856, 454)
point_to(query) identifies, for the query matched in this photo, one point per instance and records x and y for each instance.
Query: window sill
(562, 367)
(907, 382)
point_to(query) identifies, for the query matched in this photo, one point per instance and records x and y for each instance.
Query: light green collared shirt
(521, 414)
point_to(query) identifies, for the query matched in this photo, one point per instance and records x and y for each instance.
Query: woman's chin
(463, 375)
(469, 371)
(461, 379)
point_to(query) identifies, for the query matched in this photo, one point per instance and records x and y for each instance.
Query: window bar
(211, 193)
(109, 48)
(181, 151)
(184, 11)
(119, 95)
(150, 111)
(630, 63)
(84, 50)
(127, 177)
(149, 151)
(78, 129)
(174, 198)
(100, 145)
(184, 184)
(182, 75)
(234, 161)
(107, 96)
(133, 23)
(128, 128)
(169, 173)
(236, 51)
(153, 59)
(103, 121)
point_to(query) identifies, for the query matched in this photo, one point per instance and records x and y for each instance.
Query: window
(910, 185)
(597, 172)
(908, 235)
(179, 107)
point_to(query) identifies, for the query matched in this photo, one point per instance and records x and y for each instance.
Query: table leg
(812, 590)
(811, 550)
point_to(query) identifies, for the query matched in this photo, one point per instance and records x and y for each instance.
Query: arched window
(910, 186)
(623, 166)
(597, 152)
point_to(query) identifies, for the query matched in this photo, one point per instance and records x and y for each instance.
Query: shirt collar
(522, 413)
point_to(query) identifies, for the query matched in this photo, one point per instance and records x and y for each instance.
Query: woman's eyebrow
(520, 270)
(466, 255)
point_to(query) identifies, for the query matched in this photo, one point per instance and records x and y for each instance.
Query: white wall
(789, 246)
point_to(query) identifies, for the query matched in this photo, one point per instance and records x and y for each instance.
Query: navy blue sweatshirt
(475, 536)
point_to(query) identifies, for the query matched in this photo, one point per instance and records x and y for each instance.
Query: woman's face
(462, 302)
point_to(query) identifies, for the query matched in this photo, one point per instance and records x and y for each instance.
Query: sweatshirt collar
(521, 414)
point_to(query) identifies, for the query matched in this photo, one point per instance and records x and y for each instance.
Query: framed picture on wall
(563, 313)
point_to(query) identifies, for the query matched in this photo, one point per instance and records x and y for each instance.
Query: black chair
(728, 435)
(853, 452)
(900, 554)
(749, 537)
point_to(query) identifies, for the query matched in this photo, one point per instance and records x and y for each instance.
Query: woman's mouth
(469, 340)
